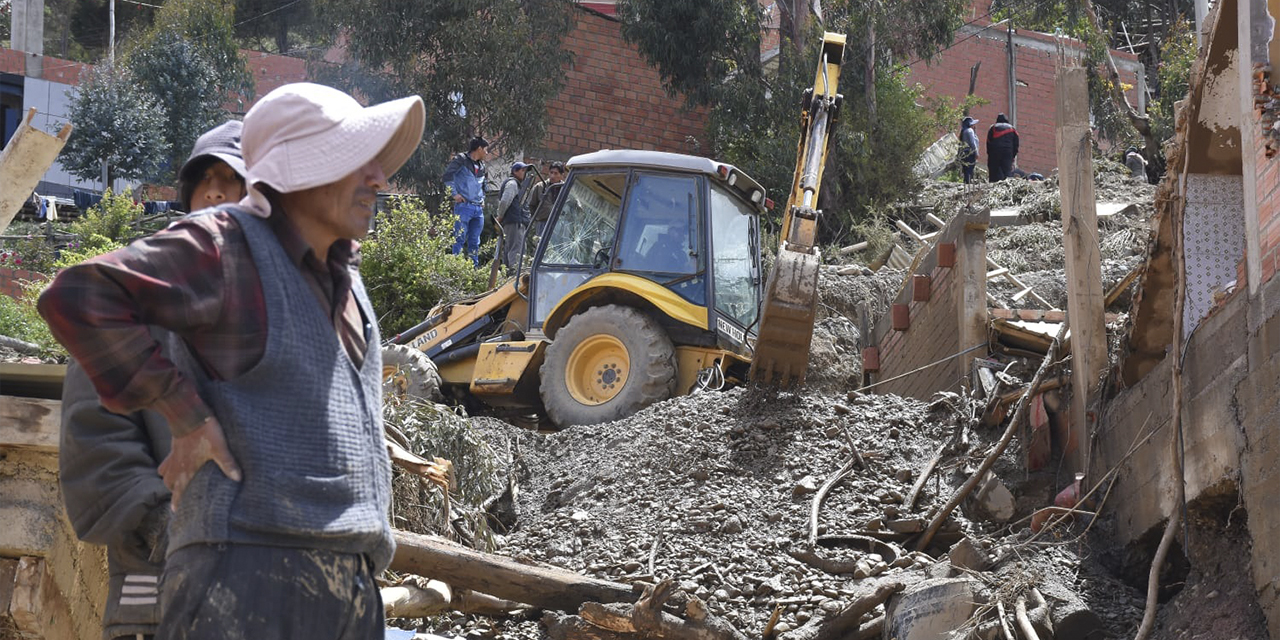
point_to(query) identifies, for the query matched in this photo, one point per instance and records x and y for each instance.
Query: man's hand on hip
(459, 199)
(192, 451)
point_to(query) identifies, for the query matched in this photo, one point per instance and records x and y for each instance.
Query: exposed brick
(947, 254)
(901, 317)
(920, 288)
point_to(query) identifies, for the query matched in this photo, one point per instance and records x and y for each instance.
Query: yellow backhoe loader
(646, 284)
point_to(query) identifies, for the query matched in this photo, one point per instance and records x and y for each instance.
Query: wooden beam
(500, 576)
(1084, 261)
(29, 423)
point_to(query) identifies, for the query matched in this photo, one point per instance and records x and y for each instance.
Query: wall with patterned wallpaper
(1213, 242)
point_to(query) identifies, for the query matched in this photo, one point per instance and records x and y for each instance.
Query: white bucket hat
(306, 135)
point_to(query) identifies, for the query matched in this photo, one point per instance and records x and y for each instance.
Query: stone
(732, 525)
(805, 486)
(967, 555)
(993, 502)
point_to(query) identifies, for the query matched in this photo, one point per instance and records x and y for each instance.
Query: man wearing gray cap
(513, 215)
(282, 535)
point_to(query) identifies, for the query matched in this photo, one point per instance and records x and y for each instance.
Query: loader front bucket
(787, 316)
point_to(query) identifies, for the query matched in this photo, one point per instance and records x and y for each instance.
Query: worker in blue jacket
(464, 175)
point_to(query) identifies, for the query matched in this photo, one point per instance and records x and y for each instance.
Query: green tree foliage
(754, 114)
(279, 23)
(485, 67)
(1173, 79)
(869, 160)
(695, 45)
(19, 319)
(118, 122)
(407, 267)
(189, 60)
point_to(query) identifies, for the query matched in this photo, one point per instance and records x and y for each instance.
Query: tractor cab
(675, 235)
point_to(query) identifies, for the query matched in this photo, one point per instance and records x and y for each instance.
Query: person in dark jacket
(968, 148)
(513, 215)
(107, 461)
(273, 375)
(1002, 149)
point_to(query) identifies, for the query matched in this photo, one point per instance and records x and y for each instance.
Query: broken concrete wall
(1257, 402)
(51, 584)
(1216, 365)
(940, 311)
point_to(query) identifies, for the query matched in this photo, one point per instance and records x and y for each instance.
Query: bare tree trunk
(869, 72)
(1140, 123)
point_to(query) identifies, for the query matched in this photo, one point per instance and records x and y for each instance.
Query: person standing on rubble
(513, 215)
(107, 462)
(1002, 149)
(464, 175)
(968, 148)
(543, 196)
(277, 379)
(1136, 164)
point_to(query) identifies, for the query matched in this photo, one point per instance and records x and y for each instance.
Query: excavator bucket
(788, 312)
(790, 303)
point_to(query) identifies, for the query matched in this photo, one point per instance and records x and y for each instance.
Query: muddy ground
(716, 490)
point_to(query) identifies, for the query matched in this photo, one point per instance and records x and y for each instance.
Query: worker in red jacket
(1002, 149)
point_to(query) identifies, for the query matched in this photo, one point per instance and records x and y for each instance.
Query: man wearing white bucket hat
(282, 535)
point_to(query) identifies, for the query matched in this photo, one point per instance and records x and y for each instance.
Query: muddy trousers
(248, 592)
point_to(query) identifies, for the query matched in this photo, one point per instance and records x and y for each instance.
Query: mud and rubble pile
(717, 491)
(1032, 249)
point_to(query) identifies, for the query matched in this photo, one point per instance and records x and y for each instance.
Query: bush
(407, 267)
(112, 219)
(19, 319)
(31, 252)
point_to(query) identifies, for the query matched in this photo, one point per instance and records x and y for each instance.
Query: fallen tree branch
(821, 495)
(990, 460)
(846, 622)
(647, 619)
(21, 346)
(500, 576)
(1024, 621)
(418, 597)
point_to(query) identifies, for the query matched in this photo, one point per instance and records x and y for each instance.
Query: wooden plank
(29, 423)
(1084, 261)
(26, 157)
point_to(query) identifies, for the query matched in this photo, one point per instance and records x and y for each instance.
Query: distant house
(1015, 77)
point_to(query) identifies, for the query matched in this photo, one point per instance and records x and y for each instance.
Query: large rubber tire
(408, 374)
(607, 363)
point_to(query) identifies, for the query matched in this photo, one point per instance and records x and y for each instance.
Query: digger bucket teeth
(786, 319)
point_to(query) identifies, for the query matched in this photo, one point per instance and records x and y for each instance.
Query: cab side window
(660, 232)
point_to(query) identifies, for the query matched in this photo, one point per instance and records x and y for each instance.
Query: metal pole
(111, 20)
(1013, 77)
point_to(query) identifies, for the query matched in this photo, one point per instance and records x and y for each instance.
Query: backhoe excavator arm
(789, 308)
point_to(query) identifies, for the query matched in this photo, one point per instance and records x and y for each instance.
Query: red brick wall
(55, 69)
(269, 72)
(948, 75)
(11, 280)
(613, 100)
(932, 336)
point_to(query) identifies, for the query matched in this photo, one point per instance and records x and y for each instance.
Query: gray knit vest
(304, 425)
